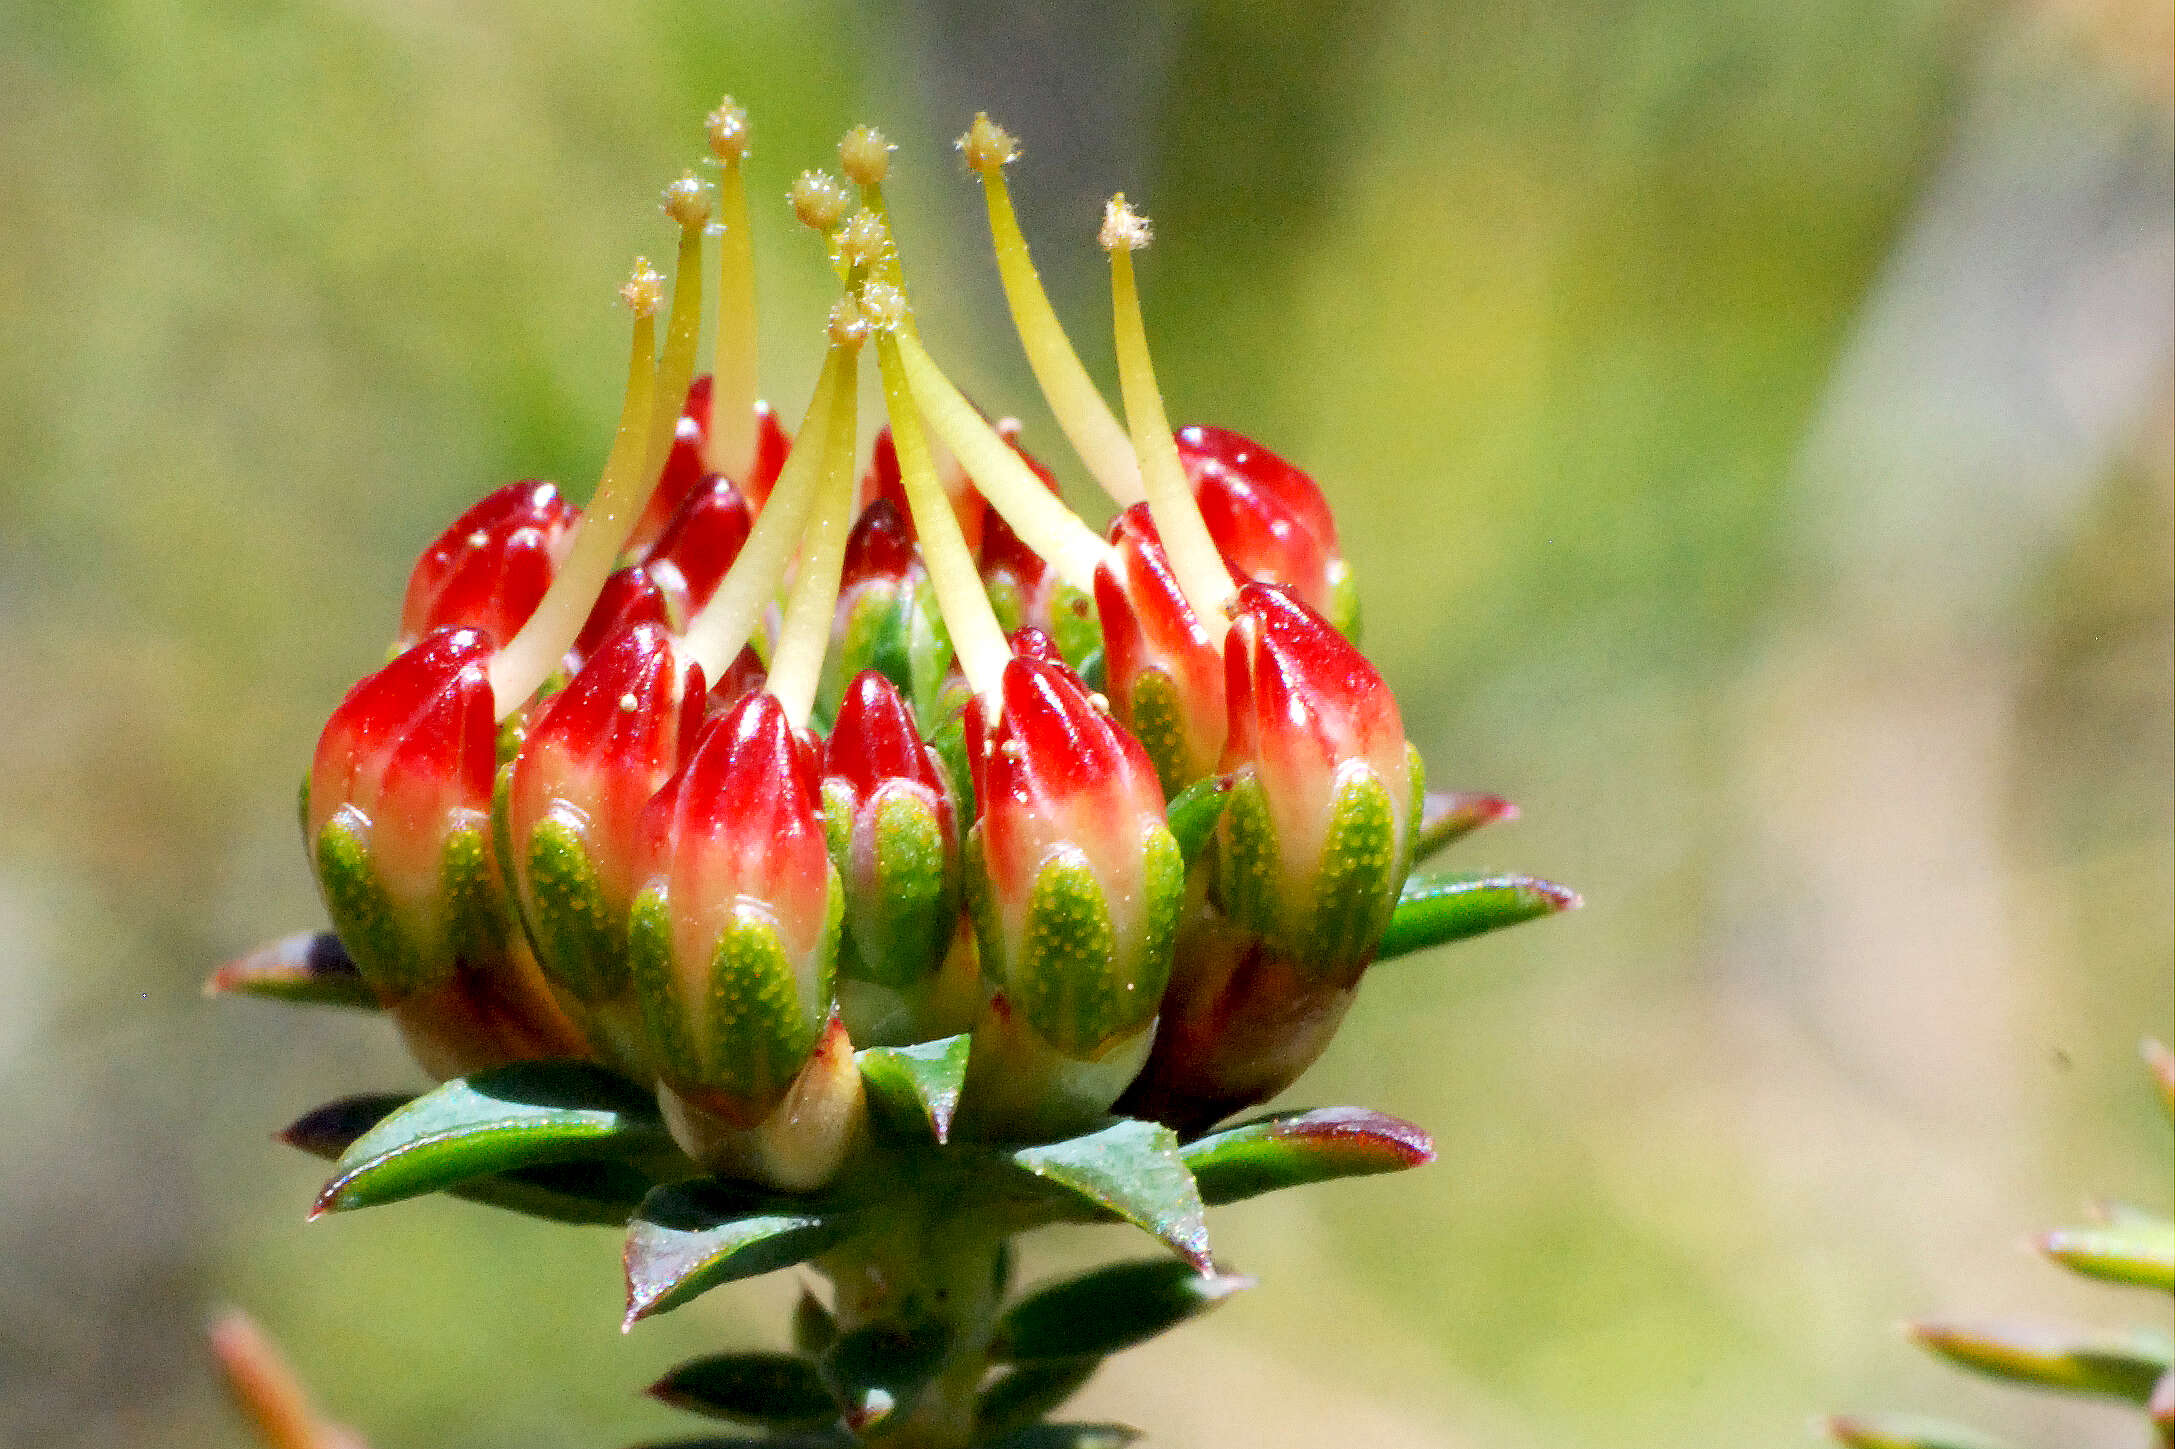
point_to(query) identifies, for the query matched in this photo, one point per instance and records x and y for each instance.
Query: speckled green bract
(759, 1030)
(1065, 981)
(875, 636)
(1154, 714)
(581, 941)
(363, 915)
(978, 898)
(1246, 855)
(903, 915)
(651, 968)
(1076, 632)
(1356, 881)
(1343, 606)
(837, 800)
(951, 740)
(1005, 597)
(1414, 825)
(475, 911)
(1165, 882)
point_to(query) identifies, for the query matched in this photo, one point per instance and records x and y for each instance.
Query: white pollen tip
(846, 325)
(643, 289)
(727, 129)
(861, 239)
(687, 201)
(866, 155)
(884, 306)
(985, 146)
(628, 703)
(820, 201)
(1124, 226)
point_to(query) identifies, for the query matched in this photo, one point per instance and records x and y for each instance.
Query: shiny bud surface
(1165, 676)
(1270, 520)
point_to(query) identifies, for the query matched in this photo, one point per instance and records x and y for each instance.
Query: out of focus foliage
(1750, 426)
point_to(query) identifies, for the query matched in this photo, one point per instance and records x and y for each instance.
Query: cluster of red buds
(763, 757)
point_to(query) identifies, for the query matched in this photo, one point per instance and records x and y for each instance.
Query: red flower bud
(1315, 841)
(737, 914)
(886, 617)
(1269, 519)
(700, 542)
(630, 597)
(882, 480)
(1075, 882)
(491, 566)
(1162, 670)
(591, 761)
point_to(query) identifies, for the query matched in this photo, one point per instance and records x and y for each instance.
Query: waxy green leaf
(2135, 1252)
(693, 1236)
(775, 1389)
(598, 1194)
(1906, 1431)
(2119, 1367)
(1292, 1149)
(1194, 814)
(915, 1089)
(1133, 1170)
(524, 1115)
(1025, 1393)
(881, 1369)
(309, 969)
(1435, 909)
(1109, 1309)
(1450, 814)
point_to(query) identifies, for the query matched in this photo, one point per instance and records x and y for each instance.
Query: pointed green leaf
(310, 969)
(2139, 1253)
(775, 1389)
(1066, 1436)
(690, 1237)
(583, 1193)
(880, 1370)
(1450, 814)
(915, 1089)
(1905, 1431)
(1435, 909)
(813, 1328)
(1109, 1309)
(1292, 1149)
(2120, 1367)
(523, 1115)
(1025, 1393)
(1133, 1170)
(1194, 814)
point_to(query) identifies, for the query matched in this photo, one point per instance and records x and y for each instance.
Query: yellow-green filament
(1081, 410)
(683, 321)
(624, 486)
(1195, 558)
(731, 444)
(978, 641)
(1041, 521)
(807, 628)
(726, 623)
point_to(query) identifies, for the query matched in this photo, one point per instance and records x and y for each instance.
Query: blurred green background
(1751, 422)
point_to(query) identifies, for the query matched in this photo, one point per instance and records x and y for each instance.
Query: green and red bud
(886, 617)
(1162, 666)
(491, 566)
(1024, 589)
(1269, 520)
(1316, 838)
(572, 809)
(397, 817)
(735, 925)
(1073, 879)
(891, 827)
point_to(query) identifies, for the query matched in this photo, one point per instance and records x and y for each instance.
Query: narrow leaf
(309, 969)
(523, 1115)
(1905, 1431)
(881, 1369)
(584, 1193)
(1296, 1148)
(1027, 1392)
(1109, 1309)
(693, 1236)
(775, 1389)
(2122, 1368)
(2139, 1253)
(1132, 1169)
(1450, 814)
(915, 1089)
(1066, 1436)
(1435, 909)
(1195, 813)
(813, 1329)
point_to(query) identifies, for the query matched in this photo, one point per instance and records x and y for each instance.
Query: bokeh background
(1752, 422)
